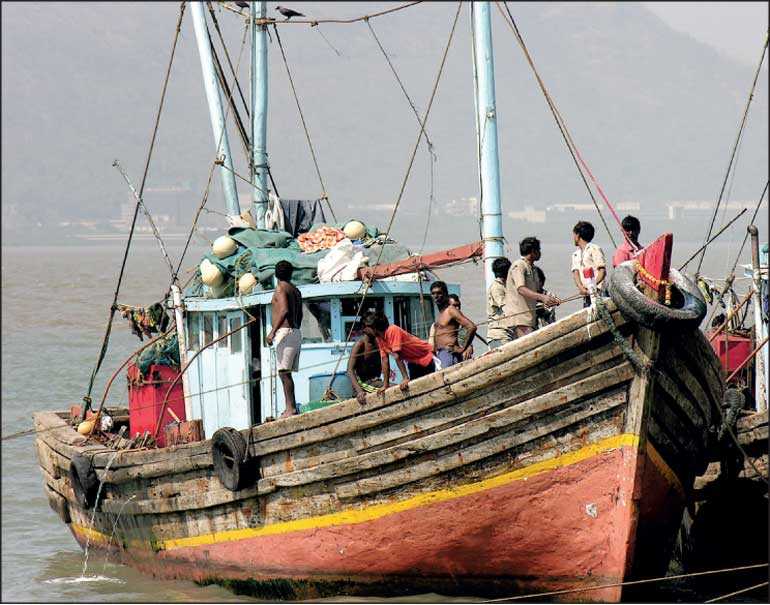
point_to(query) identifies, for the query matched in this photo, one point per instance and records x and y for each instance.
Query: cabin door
(219, 377)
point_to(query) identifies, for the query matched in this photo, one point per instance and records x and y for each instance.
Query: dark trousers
(416, 371)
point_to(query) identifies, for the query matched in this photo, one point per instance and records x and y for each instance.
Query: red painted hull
(566, 528)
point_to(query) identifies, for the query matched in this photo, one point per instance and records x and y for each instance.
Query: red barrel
(145, 400)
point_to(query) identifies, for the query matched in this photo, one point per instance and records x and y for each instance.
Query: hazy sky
(737, 28)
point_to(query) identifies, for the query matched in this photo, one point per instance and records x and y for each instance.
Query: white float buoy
(354, 230)
(210, 273)
(246, 283)
(224, 246)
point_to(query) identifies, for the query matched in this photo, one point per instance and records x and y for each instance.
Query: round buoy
(246, 283)
(210, 273)
(85, 427)
(354, 230)
(224, 246)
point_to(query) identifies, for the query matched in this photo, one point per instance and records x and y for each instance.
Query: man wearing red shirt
(404, 347)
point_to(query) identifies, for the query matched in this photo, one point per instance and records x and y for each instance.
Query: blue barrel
(341, 387)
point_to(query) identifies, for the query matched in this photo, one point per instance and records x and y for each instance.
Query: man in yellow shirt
(522, 290)
(587, 256)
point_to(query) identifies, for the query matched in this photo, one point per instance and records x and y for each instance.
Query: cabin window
(235, 338)
(221, 331)
(316, 321)
(349, 307)
(193, 332)
(408, 314)
(208, 328)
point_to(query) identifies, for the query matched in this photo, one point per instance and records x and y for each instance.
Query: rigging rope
(746, 235)
(405, 180)
(108, 329)
(227, 56)
(324, 194)
(734, 149)
(562, 125)
(194, 225)
(314, 22)
(433, 158)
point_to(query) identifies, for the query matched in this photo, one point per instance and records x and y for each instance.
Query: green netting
(165, 352)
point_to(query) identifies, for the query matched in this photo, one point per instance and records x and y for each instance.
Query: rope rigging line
(405, 180)
(227, 56)
(329, 44)
(735, 148)
(433, 158)
(737, 592)
(214, 163)
(324, 194)
(314, 22)
(147, 214)
(746, 235)
(628, 583)
(108, 329)
(577, 158)
(716, 235)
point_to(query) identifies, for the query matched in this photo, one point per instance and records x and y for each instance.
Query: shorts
(448, 358)
(287, 342)
(417, 371)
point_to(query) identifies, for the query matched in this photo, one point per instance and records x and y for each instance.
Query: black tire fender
(232, 464)
(686, 311)
(84, 481)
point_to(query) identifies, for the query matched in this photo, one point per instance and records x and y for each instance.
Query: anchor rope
(734, 150)
(627, 583)
(108, 329)
(324, 194)
(577, 158)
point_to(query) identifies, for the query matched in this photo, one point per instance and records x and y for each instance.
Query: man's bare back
(287, 306)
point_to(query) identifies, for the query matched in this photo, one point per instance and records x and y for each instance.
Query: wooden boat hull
(554, 463)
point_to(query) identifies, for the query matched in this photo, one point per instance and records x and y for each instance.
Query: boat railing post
(214, 98)
(489, 165)
(182, 339)
(760, 330)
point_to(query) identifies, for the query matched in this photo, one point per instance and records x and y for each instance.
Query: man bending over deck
(404, 347)
(287, 319)
(448, 323)
(364, 363)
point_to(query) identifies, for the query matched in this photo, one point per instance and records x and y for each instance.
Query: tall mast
(216, 113)
(259, 111)
(486, 133)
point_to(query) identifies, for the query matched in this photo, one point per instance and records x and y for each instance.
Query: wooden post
(182, 339)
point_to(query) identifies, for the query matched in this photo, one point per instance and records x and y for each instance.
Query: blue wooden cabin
(235, 383)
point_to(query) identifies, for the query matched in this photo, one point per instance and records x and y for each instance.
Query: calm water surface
(54, 302)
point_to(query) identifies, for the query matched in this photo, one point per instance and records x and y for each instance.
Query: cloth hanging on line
(300, 215)
(145, 321)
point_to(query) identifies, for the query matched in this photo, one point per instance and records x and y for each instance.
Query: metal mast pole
(486, 132)
(259, 111)
(215, 109)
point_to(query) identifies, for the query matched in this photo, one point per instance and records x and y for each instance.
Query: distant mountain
(653, 111)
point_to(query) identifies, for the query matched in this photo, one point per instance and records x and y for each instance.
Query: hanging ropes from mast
(736, 144)
(324, 194)
(580, 164)
(113, 306)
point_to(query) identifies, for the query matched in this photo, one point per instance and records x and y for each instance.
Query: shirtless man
(364, 363)
(448, 323)
(287, 319)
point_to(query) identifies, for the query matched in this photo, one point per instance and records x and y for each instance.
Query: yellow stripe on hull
(362, 515)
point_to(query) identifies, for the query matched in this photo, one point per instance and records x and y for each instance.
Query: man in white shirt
(587, 256)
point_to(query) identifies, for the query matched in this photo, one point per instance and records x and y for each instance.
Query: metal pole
(215, 109)
(489, 166)
(760, 329)
(182, 339)
(259, 112)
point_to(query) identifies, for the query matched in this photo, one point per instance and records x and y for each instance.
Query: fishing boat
(559, 461)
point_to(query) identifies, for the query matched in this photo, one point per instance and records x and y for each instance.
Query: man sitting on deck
(364, 363)
(448, 323)
(404, 347)
(287, 319)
